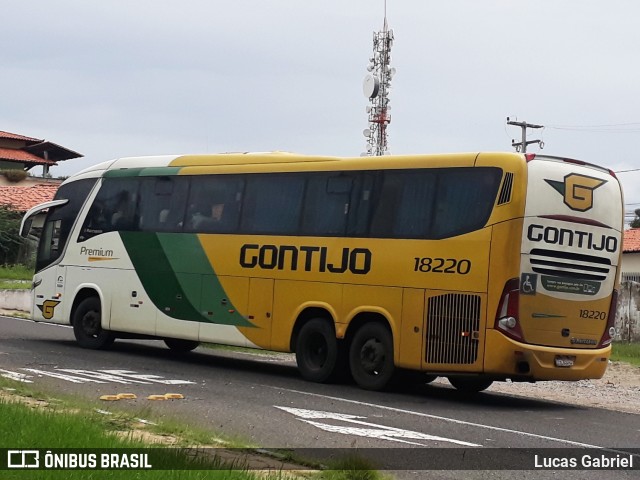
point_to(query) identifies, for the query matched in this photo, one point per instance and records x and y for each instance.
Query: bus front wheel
(371, 356)
(87, 325)
(317, 350)
(470, 384)
(177, 345)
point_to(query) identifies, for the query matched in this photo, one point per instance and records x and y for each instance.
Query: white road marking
(381, 432)
(61, 376)
(124, 377)
(102, 375)
(147, 378)
(40, 323)
(18, 377)
(438, 417)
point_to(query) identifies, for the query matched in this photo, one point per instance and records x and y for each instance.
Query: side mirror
(28, 219)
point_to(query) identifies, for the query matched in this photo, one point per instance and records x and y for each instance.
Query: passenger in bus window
(206, 216)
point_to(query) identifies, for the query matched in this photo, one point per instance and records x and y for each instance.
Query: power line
(631, 127)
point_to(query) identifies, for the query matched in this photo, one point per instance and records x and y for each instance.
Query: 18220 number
(442, 265)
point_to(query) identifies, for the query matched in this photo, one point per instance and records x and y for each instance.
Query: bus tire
(317, 350)
(429, 378)
(470, 384)
(178, 345)
(371, 356)
(87, 326)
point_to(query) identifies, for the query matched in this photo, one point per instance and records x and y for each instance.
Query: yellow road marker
(109, 398)
(127, 396)
(173, 396)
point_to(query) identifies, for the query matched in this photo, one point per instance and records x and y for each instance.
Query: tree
(635, 223)
(10, 239)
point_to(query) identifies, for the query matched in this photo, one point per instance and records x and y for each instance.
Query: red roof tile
(24, 198)
(15, 136)
(12, 154)
(631, 241)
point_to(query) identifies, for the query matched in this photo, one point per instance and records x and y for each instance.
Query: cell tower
(376, 87)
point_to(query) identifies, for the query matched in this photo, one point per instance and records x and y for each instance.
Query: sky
(147, 77)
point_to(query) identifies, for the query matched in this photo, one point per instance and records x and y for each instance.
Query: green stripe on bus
(178, 277)
(142, 172)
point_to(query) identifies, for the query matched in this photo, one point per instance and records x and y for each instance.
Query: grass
(41, 421)
(351, 468)
(626, 352)
(14, 285)
(15, 272)
(56, 427)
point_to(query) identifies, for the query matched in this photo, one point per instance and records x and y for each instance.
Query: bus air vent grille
(557, 263)
(453, 323)
(505, 191)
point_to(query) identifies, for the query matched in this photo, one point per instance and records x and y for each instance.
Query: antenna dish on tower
(370, 86)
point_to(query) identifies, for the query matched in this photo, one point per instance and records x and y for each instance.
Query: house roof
(23, 156)
(29, 152)
(631, 241)
(15, 136)
(24, 198)
(52, 151)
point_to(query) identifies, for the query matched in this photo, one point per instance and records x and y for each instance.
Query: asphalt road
(261, 398)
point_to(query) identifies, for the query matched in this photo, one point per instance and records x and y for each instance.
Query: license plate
(564, 361)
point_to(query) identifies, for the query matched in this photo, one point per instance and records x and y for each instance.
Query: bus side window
(361, 203)
(272, 204)
(326, 204)
(465, 199)
(162, 203)
(404, 204)
(114, 208)
(214, 203)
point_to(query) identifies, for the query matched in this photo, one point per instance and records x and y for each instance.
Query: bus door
(49, 281)
(260, 312)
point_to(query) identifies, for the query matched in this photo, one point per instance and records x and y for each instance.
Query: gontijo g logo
(577, 190)
(47, 308)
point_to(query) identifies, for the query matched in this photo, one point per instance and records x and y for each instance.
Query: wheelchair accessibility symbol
(528, 283)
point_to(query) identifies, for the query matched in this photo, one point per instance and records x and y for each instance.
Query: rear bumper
(510, 359)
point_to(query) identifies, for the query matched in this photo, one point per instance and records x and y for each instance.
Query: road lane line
(372, 430)
(38, 323)
(445, 419)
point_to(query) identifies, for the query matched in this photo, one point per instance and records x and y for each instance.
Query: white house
(631, 255)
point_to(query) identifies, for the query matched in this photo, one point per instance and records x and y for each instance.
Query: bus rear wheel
(87, 325)
(178, 345)
(470, 384)
(371, 356)
(317, 351)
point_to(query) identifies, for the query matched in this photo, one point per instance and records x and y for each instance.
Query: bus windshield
(60, 220)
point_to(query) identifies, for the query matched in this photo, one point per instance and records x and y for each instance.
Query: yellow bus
(478, 267)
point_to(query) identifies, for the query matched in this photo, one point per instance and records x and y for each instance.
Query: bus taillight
(507, 314)
(610, 330)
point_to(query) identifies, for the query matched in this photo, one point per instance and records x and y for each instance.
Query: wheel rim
(373, 356)
(316, 351)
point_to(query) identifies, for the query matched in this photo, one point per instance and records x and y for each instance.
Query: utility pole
(522, 145)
